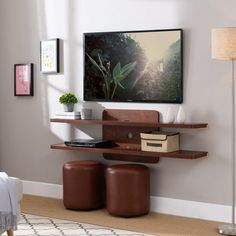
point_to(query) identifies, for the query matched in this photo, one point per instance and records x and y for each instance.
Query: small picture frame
(23, 80)
(49, 56)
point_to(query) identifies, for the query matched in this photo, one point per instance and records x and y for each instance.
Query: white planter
(68, 107)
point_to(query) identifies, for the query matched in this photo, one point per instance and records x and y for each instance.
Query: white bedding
(8, 203)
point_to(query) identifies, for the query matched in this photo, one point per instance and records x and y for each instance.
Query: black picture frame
(50, 56)
(23, 79)
(111, 44)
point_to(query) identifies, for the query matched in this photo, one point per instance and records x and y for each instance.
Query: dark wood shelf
(130, 123)
(123, 128)
(183, 154)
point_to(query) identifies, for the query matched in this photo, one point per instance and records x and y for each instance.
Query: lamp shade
(223, 43)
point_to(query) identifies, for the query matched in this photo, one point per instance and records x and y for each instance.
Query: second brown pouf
(83, 185)
(127, 190)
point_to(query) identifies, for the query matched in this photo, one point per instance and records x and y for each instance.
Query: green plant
(68, 98)
(112, 80)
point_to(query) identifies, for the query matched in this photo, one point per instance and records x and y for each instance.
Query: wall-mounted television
(134, 66)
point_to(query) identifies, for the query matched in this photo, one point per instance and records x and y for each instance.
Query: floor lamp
(224, 48)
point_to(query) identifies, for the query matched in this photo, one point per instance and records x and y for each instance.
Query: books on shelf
(67, 115)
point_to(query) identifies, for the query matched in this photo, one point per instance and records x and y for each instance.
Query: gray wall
(26, 133)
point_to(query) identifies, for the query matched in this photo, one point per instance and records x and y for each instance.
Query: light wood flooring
(157, 224)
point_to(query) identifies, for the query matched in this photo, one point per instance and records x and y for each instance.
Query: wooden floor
(157, 224)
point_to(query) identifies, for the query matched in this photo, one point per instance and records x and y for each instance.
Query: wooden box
(159, 141)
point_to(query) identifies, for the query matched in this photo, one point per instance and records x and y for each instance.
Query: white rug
(31, 225)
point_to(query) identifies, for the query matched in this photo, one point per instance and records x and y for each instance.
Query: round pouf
(83, 185)
(127, 190)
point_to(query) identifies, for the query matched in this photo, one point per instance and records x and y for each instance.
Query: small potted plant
(68, 100)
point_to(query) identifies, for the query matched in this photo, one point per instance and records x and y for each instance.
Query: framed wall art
(49, 56)
(23, 80)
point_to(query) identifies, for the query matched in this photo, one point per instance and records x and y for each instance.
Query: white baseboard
(42, 189)
(193, 209)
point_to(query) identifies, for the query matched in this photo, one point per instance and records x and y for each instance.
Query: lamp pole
(230, 229)
(233, 145)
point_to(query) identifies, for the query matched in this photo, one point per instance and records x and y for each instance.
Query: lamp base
(227, 229)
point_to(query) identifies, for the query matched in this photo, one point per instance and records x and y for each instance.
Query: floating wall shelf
(128, 147)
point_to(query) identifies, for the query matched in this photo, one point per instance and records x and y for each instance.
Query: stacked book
(68, 115)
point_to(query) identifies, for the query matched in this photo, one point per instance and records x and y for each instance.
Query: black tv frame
(137, 101)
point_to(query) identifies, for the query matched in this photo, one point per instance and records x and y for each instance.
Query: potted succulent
(68, 100)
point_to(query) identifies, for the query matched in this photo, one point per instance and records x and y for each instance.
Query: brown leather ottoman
(83, 185)
(128, 190)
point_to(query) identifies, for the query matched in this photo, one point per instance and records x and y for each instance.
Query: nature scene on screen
(137, 66)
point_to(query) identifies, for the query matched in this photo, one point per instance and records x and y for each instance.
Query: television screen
(134, 66)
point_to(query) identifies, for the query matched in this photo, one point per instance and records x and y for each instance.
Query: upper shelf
(130, 123)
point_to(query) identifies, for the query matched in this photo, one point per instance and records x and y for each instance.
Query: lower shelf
(183, 154)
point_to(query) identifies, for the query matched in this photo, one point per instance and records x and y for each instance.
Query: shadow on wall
(25, 122)
(69, 78)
